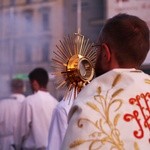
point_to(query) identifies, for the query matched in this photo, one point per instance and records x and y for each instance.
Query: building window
(28, 18)
(45, 19)
(12, 2)
(45, 52)
(28, 1)
(20, 52)
(9, 22)
(5, 52)
(28, 54)
(1, 3)
(1, 27)
(7, 27)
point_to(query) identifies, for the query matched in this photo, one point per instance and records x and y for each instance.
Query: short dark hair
(128, 36)
(40, 75)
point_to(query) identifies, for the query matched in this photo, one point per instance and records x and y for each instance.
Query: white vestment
(59, 123)
(9, 112)
(111, 112)
(18, 97)
(35, 120)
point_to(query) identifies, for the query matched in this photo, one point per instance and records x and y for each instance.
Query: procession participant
(17, 89)
(59, 122)
(112, 112)
(36, 113)
(9, 113)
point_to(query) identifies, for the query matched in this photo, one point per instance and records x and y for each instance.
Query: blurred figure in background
(60, 121)
(113, 111)
(17, 89)
(9, 114)
(36, 113)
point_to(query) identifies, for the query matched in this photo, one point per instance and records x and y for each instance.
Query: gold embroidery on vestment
(136, 147)
(147, 81)
(101, 135)
(106, 130)
(116, 80)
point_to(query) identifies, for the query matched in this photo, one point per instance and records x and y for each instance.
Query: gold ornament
(74, 63)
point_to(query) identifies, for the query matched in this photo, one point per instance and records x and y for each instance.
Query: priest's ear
(106, 55)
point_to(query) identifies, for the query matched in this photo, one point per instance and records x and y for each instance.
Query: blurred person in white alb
(113, 111)
(36, 113)
(17, 89)
(9, 114)
(60, 121)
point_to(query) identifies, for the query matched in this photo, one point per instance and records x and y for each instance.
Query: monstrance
(73, 63)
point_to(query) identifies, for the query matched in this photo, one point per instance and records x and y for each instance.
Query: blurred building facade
(28, 32)
(31, 29)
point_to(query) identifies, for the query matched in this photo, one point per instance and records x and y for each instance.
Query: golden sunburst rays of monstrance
(73, 63)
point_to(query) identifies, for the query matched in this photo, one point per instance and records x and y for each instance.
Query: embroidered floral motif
(141, 115)
(76, 143)
(106, 127)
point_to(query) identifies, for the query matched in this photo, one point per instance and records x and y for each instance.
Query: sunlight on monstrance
(73, 63)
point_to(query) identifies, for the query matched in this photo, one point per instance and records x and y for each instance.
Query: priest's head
(123, 43)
